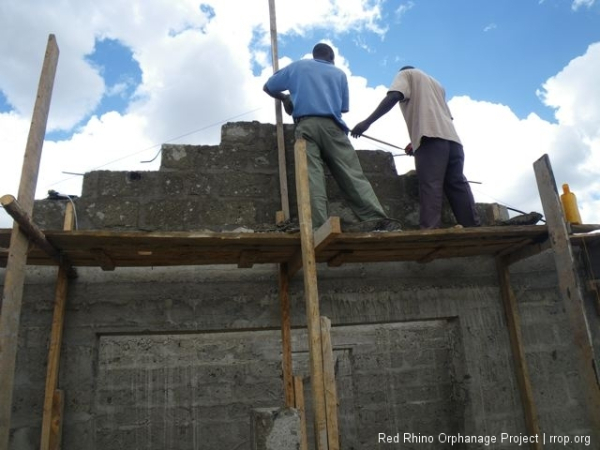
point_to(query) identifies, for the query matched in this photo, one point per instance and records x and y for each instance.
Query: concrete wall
(224, 187)
(177, 358)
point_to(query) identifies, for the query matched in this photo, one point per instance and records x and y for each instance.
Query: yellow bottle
(569, 204)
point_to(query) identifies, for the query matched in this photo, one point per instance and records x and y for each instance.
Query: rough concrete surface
(180, 357)
(275, 429)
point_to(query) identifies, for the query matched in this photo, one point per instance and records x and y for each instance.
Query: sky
(521, 78)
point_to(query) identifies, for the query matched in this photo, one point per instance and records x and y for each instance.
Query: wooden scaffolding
(67, 249)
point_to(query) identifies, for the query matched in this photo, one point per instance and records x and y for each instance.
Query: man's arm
(288, 106)
(388, 102)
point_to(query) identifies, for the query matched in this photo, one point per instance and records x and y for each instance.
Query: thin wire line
(158, 145)
(201, 129)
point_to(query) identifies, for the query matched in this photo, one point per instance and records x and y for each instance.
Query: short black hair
(406, 68)
(323, 51)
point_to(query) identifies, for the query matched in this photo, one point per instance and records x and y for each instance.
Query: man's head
(406, 68)
(324, 52)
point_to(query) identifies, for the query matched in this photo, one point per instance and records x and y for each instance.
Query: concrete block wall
(179, 357)
(224, 187)
(165, 358)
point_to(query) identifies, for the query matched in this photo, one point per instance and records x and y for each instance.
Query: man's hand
(288, 106)
(409, 149)
(359, 129)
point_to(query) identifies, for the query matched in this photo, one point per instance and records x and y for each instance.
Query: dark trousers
(439, 165)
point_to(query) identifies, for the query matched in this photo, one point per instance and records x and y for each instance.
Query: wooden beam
(327, 233)
(339, 258)
(331, 399)
(283, 186)
(280, 217)
(51, 410)
(571, 291)
(104, 260)
(26, 225)
(431, 255)
(513, 321)
(526, 252)
(58, 408)
(14, 280)
(311, 295)
(295, 263)
(247, 258)
(286, 335)
(299, 405)
(322, 237)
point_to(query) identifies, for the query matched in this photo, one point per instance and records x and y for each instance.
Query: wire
(53, 195)
(200, 129)
(154, 146)
(500, 202)
(74, 211)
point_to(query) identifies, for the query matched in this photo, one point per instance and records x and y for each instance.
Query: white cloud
(575, 95)
(403, 9)
(197, 72)
(200, 70)
(582, 3)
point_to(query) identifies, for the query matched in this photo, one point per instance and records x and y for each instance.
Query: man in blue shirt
(318, 97)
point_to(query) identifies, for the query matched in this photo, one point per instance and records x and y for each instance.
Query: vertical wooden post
(569, 287)
(51, 422)
(299, 405)
(311, 295)
(14, 280)
(58, 407)
(283, 186)
(331, 399)
(286, 336)
(513, 322)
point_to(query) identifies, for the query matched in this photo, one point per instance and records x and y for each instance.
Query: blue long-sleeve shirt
(317, 88)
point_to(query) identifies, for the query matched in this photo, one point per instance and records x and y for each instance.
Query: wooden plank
(248, 258)
(322, 238)
(145, 249)
(339, 258)
(104, 261)
(430, 256)
(331, 399)
(280, 217)
(513, 321)
(58, 407)
(286, 336)
(295, 263)
(49, 418)
(299, 405)
(311, 295)
(516, 246)
(327, 233)
(569, 288)
(527, 252)
(15, 267)
(283, 186)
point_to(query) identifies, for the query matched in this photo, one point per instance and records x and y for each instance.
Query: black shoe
(368, 226)
(388, 225)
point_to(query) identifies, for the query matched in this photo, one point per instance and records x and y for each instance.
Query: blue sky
(520, 76)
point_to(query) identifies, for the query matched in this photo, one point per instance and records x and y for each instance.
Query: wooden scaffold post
(283, 186)
(570, 290)
(12, 296)
(311, 295)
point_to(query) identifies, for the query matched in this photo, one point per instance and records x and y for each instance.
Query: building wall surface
(177, 358)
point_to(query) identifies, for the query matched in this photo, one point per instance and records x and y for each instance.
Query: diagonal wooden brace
(31, 230)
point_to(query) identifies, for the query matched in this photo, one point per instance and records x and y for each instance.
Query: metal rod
(382, 142)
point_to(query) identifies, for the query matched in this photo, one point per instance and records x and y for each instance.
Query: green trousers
(327, 144)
